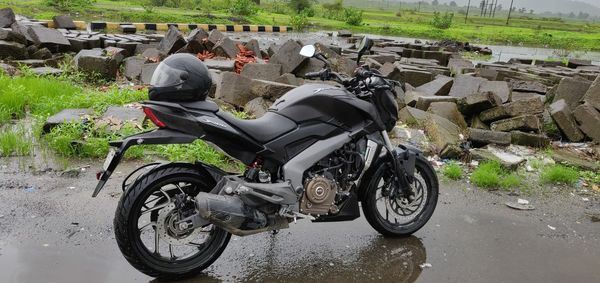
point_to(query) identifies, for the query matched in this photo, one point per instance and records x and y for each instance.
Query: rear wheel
(146, 230)
(399, 216)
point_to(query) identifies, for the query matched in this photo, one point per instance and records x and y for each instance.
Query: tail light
(153, 118)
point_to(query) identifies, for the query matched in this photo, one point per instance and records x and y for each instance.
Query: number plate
(109, 158)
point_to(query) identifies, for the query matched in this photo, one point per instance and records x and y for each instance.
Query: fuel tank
(326, 104)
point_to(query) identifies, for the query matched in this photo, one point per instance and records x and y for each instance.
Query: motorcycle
(319, 151)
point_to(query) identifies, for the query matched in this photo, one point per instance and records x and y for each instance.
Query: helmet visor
(166, 76)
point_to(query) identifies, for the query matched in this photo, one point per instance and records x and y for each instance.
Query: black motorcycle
(318, 151)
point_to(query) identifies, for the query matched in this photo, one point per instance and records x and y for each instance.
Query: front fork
(404, 169)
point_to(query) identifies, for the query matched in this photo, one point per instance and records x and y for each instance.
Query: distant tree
(453, 4)
(499, 7)
(301, 5)
(583, 15)
(435, 2)
(572, 15)
(531, 11)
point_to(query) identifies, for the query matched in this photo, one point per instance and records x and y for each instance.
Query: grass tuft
(452, 171)
(491, 175)
(559, 174)
(14, 142)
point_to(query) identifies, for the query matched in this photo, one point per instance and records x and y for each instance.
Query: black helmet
(179, 78)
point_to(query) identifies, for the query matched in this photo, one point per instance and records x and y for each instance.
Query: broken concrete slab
(563, 117)
(132, 67)
(498, 88)
(448, 110)
(7, 17)
(9, 35)
(491, 153)
(121, 115)
(575, 158)
(589, 120)
(479, 102)
(225, 47)
(49, 38)
(67, 116)
(196, 40)
(481, 137)
(310, 65)
(95, 61)
(254, 46)
(147, 73)
(592, 96)
(521, 107)
(529, 139)
(517, 95)
(269, 89)
(8, 69)
(457, 66)
(172, 42)
(12, 50)
(465, 85)
(268, 72)
(64, 22)
(290, 79)
(235, 89)
(288, 56)
(528, 86)
(440, 86)
(224, 65)
(46, 71)
(572, 91)
(423, 102)
(476, 123)
(521, 123)
(257, 107)
(442, 132)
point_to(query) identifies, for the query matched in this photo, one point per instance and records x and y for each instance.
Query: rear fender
(159, 136)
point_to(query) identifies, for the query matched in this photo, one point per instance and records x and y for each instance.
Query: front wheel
(146, 230)
(400, 216)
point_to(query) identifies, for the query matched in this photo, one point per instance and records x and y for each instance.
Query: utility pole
(419, 9)
(467, 15)
(485, 8)
(509, 11)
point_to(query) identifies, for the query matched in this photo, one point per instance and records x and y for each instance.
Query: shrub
(68, 4)
(557, 174)
(299, 22)
(243, 8)
(302, 5)
(14, 142)
(442, 21)
(452, 171)
(353, 16)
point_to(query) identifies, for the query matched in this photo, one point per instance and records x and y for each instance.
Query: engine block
(319, 196)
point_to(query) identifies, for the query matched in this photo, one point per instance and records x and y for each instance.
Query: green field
(524, 30)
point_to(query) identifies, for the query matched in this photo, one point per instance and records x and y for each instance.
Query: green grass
(452, 171)
(529, 31)
(14, 142)
(491, 175)
(559, 174)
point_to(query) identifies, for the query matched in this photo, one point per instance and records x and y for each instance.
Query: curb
(96, 26)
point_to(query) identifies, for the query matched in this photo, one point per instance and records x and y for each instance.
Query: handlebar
(358, 84)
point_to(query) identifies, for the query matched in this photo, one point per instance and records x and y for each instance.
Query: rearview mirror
(308, 51)
(365, 45)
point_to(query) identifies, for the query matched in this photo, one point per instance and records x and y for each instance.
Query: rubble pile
(462, 108)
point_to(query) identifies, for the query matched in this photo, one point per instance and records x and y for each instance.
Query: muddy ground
(51, 230)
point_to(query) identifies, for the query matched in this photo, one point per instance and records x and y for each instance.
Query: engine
(328, 183)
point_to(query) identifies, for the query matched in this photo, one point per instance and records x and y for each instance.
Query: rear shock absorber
(253, 169)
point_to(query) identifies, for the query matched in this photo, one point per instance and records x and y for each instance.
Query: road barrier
(97, 26)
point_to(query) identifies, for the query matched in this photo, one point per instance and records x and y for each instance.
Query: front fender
(407, 154)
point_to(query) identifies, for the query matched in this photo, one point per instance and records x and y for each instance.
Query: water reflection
(382, 259)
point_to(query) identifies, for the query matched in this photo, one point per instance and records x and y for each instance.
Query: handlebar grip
(312, 75)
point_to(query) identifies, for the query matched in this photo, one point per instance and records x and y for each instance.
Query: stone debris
(457, 106)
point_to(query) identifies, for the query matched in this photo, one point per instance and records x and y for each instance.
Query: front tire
(149, 201)
(400, 217)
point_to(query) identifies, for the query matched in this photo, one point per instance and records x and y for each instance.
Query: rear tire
(130, 211)
(425, 175)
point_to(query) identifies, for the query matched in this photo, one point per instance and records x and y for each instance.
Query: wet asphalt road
(51, 230)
